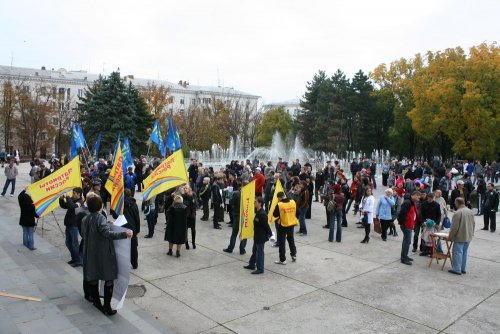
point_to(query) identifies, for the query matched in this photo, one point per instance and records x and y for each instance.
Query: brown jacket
(462, 225)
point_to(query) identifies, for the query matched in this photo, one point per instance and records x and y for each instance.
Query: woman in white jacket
(367, 207)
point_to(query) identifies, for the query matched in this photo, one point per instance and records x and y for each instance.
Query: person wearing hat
(460, 191)
(285, 212)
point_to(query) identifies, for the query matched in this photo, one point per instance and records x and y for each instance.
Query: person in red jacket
(260, 180)
(407, 218)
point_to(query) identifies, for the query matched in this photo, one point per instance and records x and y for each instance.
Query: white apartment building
(68, 86)
(292, 107)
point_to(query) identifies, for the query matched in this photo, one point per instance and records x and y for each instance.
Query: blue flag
(157, 139)
(170, 141)
(127, 156)
(96, 146)
(74, 141)
(81, 138)
(116, 147)
(177, 139)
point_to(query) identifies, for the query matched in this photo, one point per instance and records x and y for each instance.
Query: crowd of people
(418, 196)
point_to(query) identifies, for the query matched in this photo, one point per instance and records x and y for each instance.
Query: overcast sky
(269, 48)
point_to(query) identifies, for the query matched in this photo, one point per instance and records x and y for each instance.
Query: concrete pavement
(333, 287)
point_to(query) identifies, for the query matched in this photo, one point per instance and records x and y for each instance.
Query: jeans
(336, 217)
(257, 258)
(7, 182)
(417, 229)
(479, 203)
(29, 237)
(406, 242)
(460, 250)
(302, 220)
(150, 218)
(234, 234)
(285, 233)
(72, 244)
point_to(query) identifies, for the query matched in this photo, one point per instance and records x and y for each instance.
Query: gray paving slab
(322, 312)
(228, 291)
(485, 318)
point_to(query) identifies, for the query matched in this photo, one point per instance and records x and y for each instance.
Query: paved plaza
(332, 288)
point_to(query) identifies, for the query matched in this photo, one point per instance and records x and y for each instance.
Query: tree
(457, 98)
(33, 119)
(114, 108)
(7, 110)
(274, 120)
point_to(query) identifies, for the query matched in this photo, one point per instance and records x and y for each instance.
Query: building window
(55, 121)
(236, 105)
(43, 136)
(26, 89)
(61, 92)
(207, 100)
(54, 91)
(181, 110)
(247, 105)
(61, 106)
(181, 100)
(193, 102)
(80, 93)
(228, 103)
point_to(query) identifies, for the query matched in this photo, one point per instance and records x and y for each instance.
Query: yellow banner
(46, 192)
(117, 186)
(277, 188)
(247, 211)
(170, 173)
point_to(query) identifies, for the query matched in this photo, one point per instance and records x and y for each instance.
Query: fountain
(289, 149)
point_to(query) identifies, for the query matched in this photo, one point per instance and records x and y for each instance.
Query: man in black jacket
(490, 208)
(235, 211)
(218, 201)
(262, 233)
(430, 209)
(131, 213)
(70, 204)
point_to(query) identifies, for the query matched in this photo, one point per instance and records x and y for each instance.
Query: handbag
(331, 206)
(376, 226)
(446, 222)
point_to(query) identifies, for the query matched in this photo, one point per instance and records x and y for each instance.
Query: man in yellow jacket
(287, 219)
(461, 233)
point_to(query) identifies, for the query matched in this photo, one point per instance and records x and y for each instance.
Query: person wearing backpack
(384, 211)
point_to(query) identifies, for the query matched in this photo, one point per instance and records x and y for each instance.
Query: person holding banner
(262, 233)
(70, 204)
(99, 254)
(27, 219)
(176, 231)
(235, 211)
(285, 211)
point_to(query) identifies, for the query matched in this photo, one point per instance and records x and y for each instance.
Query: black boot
(187, 245)
(94, 292)
(193, 237)
(177, 253)
(108, 293)
(169, 252)
(86, 291)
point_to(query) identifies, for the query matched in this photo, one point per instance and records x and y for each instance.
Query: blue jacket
(384, 206)
(129, 181)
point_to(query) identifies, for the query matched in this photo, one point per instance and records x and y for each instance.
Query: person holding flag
(235, 211)
(262, 233)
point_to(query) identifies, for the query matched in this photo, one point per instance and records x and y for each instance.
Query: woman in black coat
(190, 203)
(27, 219)
(99, 257)
(176, 225)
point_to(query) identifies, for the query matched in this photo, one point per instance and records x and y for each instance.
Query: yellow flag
(247, 211)
(116, 180)
(277, 188)
(46, 192)
(170, 173)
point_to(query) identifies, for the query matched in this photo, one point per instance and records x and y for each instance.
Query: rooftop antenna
(11, 58)
(218, 78)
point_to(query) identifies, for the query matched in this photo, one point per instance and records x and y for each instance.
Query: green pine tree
(112, 107)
